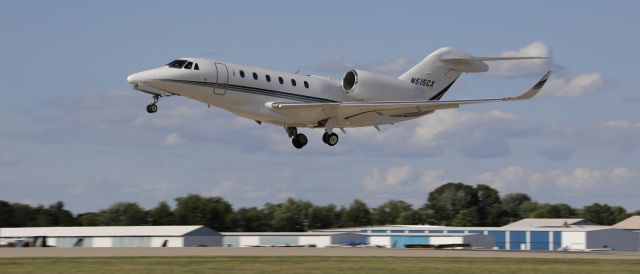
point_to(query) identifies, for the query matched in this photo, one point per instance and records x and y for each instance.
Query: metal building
(115, 236)
(403, 240)
(514, 238)
(317, 239)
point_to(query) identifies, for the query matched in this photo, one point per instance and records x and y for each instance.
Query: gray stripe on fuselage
(258, 91)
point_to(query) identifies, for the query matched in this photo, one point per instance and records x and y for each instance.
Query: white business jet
(360, 99)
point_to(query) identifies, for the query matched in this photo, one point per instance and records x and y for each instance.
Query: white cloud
(560, 185)
(338, 65)
(400, 182)
(173, 139)
(524, 67)
(393, 179)
(397, 175)
(77, 190)
(476, 135)
(588, 83)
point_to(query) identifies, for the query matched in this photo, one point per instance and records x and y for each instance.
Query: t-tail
(440, 69)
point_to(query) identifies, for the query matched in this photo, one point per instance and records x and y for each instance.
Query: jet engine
(368, 86)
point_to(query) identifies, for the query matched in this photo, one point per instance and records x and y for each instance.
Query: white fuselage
(359, 99)
(222, 85)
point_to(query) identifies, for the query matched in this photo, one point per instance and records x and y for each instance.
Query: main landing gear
(330, 139)
(153, 108)
(299, 140)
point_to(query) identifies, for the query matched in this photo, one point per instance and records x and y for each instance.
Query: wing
(314, 112)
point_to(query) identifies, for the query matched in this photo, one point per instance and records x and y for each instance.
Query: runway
(301, 251)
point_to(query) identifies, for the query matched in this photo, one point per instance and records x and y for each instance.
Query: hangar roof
(106, 231)
(632, 223)
(321, 233)
(552, 222)
(439, 229)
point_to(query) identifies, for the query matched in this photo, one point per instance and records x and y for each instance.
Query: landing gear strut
(152, 108)
(298, 140)
(330, 139)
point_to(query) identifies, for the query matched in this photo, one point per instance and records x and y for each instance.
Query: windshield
(177, 63)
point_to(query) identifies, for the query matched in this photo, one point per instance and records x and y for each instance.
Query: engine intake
(369, 86)
(349, 80)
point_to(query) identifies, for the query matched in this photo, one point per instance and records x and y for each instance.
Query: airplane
(360, 99)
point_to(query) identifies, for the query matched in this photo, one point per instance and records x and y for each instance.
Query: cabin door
(222, 79)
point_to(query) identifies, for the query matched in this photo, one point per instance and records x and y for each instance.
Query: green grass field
(369, 265)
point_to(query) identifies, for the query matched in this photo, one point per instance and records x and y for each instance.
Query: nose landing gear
(153, 108)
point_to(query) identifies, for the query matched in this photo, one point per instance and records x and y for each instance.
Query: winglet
(534, 90)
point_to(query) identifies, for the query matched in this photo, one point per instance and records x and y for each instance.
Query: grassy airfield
(307, 265)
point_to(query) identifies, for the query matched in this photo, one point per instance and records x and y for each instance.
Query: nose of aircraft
(134, 78)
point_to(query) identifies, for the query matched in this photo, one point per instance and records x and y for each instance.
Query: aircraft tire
(296, 143)
(330, 139)
(152, 108)
(302, 139)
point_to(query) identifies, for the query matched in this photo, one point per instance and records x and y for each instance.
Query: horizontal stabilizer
(467, 59)
(477, 64)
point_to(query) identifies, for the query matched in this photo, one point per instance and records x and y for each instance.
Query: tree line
(452, 204)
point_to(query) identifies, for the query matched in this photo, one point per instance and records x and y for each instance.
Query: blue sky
(72, 129)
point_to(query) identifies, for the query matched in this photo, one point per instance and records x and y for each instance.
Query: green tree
(89, 219)
(466, 217)
(293, 215)
(23, 215)
(445, 202)
(603, 214)
(323, 217)
(6, 214)
(489, 208)
(513, 204)
(123, 213)
(250, 220)
(357, 214)
(554, 211)
(390, 212)
(413, 217)
(213, 212)
(162, 215)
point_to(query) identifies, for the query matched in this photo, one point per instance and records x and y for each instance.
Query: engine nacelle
(369, 86)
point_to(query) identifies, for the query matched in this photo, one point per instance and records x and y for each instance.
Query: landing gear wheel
(330, 139)
(152, 108)
(299, 141)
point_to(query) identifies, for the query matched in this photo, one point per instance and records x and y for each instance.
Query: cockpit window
(195, 67)
(188, 65)
(177, 63)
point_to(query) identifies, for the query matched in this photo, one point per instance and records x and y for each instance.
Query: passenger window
(255, 76)
(268, 78)
(196, 67)
(293, 82)
(280, 80)
(306, 85)
(188, 65)
(242, 73)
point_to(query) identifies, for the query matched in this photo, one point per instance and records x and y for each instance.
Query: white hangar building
(317, 239)
(116, 236)
(527, 234)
